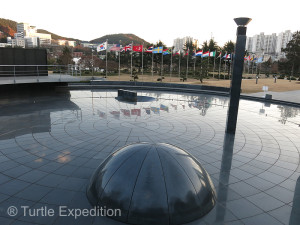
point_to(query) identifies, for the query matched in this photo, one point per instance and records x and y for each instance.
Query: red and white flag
(177, 53)
(138, 48)
(149, 50)
(136, 112)
(187, 52)
(127, 48)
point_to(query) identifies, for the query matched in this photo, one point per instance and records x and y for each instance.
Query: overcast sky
(155, 20)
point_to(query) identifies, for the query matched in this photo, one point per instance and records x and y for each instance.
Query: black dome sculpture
(152, 184)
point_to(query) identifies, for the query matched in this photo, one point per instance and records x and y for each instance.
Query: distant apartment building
(66, 42)
(179, 43)
(28, 37)
(16, 42)
(89, 45)
(269, 45)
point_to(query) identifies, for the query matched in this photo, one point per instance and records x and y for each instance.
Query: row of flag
(253, 58)
(155, 50)
(155, 110)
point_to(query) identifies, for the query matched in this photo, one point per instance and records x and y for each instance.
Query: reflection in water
(287, 112)
(31, 114)
(170, 102)
(295, 214)
(224, 176)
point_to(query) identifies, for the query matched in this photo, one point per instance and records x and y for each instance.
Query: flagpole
(248, 65)
(162, 62)
(195, 65)
(120, 61)
(252, 64)
(214, 64)
(208, 62)
(256, 65)
(225, 65)
(152, 63)
(106, 57)
(131, 56)
(179, 64)
(201, 63)
(220, 64)
(171, 63)
(142, 61)
(187, 64)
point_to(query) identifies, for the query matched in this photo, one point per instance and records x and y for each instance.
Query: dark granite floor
(51, 145)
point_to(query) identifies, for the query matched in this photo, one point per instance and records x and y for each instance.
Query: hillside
(9, 27)
(125, 38)
(55, 36)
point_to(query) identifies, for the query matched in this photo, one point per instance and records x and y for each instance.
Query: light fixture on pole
(238, 64)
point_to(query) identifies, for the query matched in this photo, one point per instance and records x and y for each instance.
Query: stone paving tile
(51, 161)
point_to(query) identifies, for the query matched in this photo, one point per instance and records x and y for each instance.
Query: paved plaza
(51, 145)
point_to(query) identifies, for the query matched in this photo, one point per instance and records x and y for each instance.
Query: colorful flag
(149, 50)
(187, 52)
(116, 114)
(101, 114)
(115, 47)
(212, 54)
(157, 50)
(147, 110)
(225, 56)
(126, 48)
(199, 53)
(126, 112)
(228, 56)
(102, 47)
(220, 55)
(155, 110)
(260, 60)
(138, 48)
(164, 108)
(174, 106)
(177, 53)
(205, 54)
(135, 112)
(167, 51)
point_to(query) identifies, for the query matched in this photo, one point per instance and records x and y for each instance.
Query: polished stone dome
(152, 184)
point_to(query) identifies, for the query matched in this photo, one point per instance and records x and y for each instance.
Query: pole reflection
(224, 176)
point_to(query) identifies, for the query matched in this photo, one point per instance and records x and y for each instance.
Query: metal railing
(38, 71)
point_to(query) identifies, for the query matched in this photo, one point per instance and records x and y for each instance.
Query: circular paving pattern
(51, 145)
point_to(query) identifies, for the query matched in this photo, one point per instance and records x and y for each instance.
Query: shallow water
(51, 144)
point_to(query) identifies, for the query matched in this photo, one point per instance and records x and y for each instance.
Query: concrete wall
(19, 56)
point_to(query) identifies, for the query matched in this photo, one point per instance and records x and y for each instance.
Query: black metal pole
(238, 64)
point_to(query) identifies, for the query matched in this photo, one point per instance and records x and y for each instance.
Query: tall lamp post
(238, 64)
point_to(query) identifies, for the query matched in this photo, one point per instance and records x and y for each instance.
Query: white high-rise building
(282, 39)
(22, 29)
(28, 34)
(271, 45)
(270, 42)
(179, 43)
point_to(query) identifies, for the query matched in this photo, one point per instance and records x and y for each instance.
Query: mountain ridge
(9, 27)
(125, 39)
